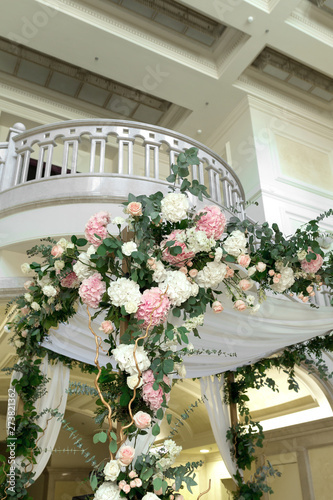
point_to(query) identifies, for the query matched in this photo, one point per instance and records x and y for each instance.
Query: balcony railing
(110, 149)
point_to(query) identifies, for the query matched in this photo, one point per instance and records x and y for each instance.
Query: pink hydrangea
(212, 222)
(314, 265)
(96, 225)
(180, 259)
(92, 290)
(70, 281)
(153, 308)
(153, 398)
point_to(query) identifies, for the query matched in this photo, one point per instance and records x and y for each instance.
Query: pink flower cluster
(153, 398)
(134, 483)
(212, 222)
(96, 225)
(92, 290)
(314, 265)
(153, 308)
(180, 259)
(70, 281)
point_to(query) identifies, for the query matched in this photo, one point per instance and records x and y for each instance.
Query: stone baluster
(74, 142)
(9, 169)
(152, 146)
(45, 148)
(128, 141)
(95, 141)
(22, 164)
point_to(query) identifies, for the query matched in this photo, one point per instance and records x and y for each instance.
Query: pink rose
(92, 290)
(305, 299)
(271, 272)
(106, 327)
(126, 455)
(70, 281)
(217, 307)
(309, 289)
(153, 308)
(314, 265)
(24, 333)
(121, 484)
(57, 251)
(158, 492)
(230, 272)
(134, 208)
(138, 482)
(126, 488)
(193, 273)
(28, 284)
(151, 263)
(132, 485)
(244, 260)
(276, 279)
(180, 259)
(25, 310)
(245, 285)
(142, 420)
(240, 305)
(212, 222)
(179, 497)
(183, 270)
(261, 266)
(132, 474)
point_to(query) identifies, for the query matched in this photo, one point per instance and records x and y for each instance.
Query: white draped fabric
(244, 338)
(219, 416)
(55, 397)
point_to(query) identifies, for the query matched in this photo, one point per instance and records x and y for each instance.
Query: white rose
(108, 491)
(235, 244)
(128, 248)
(174, 207)
(302, 254)
(49, 291)
(59, 264)
(70, 245)
(261, 266)
(124, 290)
(35, 306)
(251, 270)
(211, 275)
(131, 307)
(123, 355)
(255, 308)
(63, 243)
(118, 221)
(28, 297)
(25, 268)
(132, 380)
(180, 369)
(18, 343)
(190, 347)
(177, 287)
(111, 470)
(286, 281)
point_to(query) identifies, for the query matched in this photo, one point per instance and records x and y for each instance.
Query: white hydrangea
(180, 369)
(174, 207)
(211, 275)
(235, 244)
(286, 281)
(123, 355)
(49, 291)
(197, 241)
(122, 291)
(150, 496)
(128, 248)
(108, 491)
(160, 273)
(169, 345)
(111, 470)
(35, 306)
(177, 287)
(165, 463)
(172, 448)
(195, 289)
(218, 254)
(44, 281)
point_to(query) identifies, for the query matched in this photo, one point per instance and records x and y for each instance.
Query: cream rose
(111, 470)
(235, 244)
(142, 420)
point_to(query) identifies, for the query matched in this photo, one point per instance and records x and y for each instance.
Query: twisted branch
(206, 491)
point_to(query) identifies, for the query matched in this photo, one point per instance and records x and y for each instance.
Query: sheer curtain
(218, 412)
(55, 397)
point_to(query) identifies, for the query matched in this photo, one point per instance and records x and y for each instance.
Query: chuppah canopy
(241, 337)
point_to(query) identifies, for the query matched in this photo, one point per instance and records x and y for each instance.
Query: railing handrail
(130, 125)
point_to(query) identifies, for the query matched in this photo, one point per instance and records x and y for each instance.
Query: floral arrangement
(164, 259)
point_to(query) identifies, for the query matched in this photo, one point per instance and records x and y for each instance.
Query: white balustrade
(134, 141)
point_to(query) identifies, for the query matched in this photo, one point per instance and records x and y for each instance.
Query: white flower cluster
(159, 273)
(123, 354)
(235, 244)
(108, 491)
(49, 291)
(84, 268)
(128, 248)
(197, 241)
(172, 451)
(177, 287)
(125, 292)
(192, 323)
(286, 281)
(211, 275)
(174, 207)
(150, 496)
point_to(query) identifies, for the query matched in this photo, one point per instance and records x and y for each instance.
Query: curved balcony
(101, 161)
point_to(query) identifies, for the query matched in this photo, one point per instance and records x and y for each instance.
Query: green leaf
(171, 178)
(159, 414)
(113, 446)
(167, 365)
(93, 482)
(169, 418)
(81, 242)
(157, 483)
(101, 250)
(155, 431)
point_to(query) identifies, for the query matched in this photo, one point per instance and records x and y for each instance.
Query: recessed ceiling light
(204, 451)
